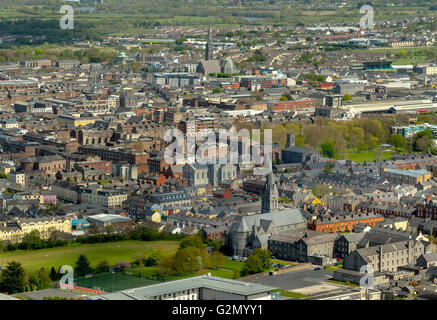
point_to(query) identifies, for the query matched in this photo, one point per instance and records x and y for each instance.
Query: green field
(291, 294)
(227, 270)
(114, 282)
(367, 156)
(343, 283)
(112, 252)
(412, 55)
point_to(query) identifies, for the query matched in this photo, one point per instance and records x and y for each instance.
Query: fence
(81, 290)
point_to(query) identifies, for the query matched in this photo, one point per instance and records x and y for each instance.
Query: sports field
(367, 156)
(113, 282)
(112, 252)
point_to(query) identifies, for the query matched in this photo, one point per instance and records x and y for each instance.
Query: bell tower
(270, 195)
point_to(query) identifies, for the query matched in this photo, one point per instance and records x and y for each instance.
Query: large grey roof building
(204, 287)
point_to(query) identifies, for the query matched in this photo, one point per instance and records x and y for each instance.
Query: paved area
(51, 293)
(298, 279)
(318, 288)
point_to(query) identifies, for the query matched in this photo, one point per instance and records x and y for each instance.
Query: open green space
(228, 269)
(112, 252)
(114, 282)
(291, 294)
(347, 283)
(367, 156)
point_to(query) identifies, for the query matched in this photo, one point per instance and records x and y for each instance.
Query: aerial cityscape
(218, 150)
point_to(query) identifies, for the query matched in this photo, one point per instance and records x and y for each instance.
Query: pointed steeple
(209, 47)
(270, 194)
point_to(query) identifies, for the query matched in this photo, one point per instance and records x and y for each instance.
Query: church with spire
(254, 231)
(209, 52)
(211, 64)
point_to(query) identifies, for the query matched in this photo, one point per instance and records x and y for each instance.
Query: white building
(18, 178)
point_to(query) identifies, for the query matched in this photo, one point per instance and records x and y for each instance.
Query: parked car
(316, 269)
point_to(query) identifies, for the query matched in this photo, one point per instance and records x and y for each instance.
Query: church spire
(209, 47)
(270, 194)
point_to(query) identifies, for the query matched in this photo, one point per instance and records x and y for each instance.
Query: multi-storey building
(387, 257)
(397, 176)
(342, 223)
(14, 231)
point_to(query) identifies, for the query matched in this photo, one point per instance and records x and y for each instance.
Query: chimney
(428, 198)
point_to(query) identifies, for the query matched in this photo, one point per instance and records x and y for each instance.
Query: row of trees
(335, 138)
(34, 241)
(14, 279)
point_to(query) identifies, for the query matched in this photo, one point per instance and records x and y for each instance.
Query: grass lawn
(113, 252)
(114, 282)
(227, 270)
(291, 294)
(343, 283)
(368, 156)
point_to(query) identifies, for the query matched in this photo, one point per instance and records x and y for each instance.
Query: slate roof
(280, 218)
(430, 257)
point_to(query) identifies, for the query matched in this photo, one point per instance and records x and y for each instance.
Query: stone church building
(254, 231)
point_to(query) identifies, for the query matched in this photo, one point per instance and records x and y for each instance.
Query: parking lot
(299, 279)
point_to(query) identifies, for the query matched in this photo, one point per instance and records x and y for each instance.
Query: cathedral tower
(270, 195)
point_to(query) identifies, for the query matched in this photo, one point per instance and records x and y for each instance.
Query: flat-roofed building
(204, 287)
(398, 176)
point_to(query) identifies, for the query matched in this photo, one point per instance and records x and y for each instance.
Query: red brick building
(290, 105)
(341, 223)
(105, 166)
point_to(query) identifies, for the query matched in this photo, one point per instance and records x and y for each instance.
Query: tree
(2, 246)
(102, 267)
(12, 278)
(422, 144)
(82, 267)
(398, 141)
(186, 260)
(216, 90)
(347, 97)
(166, 266)
(53, 274)
(328, 149)
(258, 261)
(191, 241)
(39, 280)
(328, 168)
(32, 240)
(217, 259)
(153, 258)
